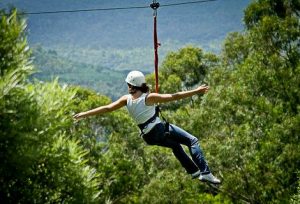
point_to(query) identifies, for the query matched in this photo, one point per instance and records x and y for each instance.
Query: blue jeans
(174, 140)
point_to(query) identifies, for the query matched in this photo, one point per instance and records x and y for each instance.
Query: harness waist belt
(143, 125)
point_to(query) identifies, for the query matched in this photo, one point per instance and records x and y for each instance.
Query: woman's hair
(144, 88)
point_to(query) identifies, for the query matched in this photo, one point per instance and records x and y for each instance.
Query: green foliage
(182, 70)
(14, 68)
(39, 163)
(14, 51)
(189, 64)
(296, 198)
(48, 165)
(235, 49)
(250, 118)
(171, 186)
(258, 10)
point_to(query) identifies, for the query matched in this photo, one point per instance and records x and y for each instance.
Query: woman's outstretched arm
(154, 98)
(103, 109)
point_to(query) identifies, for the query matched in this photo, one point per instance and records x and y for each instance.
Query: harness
(153, 118)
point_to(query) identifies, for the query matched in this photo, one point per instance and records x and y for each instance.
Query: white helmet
(135, 78)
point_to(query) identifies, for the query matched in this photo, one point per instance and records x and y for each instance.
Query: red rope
(155, 55)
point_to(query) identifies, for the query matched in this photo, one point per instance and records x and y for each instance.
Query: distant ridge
(198, 23)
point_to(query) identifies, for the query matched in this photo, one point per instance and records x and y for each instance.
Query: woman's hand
(79, 116)
(155, 98)
(203, 89)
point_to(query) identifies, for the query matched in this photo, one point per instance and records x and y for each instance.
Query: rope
(155, 6)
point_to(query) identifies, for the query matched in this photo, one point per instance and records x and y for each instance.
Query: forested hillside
(248, 123)
(203, 23)
(71, 71)
(103, 70)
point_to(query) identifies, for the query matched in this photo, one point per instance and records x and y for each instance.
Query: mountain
(201, 23)
(122, 40)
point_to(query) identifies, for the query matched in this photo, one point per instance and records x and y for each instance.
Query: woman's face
(131, 89)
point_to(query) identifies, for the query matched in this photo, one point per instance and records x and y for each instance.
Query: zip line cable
(84, 10)
(184, 3)
(113, 8)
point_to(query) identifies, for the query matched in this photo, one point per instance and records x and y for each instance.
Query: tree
(190, 64)
(251, 115)
(183, 70)
(296, 198)
(39, 161)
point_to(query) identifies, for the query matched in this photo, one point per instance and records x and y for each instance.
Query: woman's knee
(194, 140)
(175, 148)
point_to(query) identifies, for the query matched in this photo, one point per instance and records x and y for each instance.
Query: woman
(141, 106)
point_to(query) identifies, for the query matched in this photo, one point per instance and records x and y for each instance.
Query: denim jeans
(174, 140)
